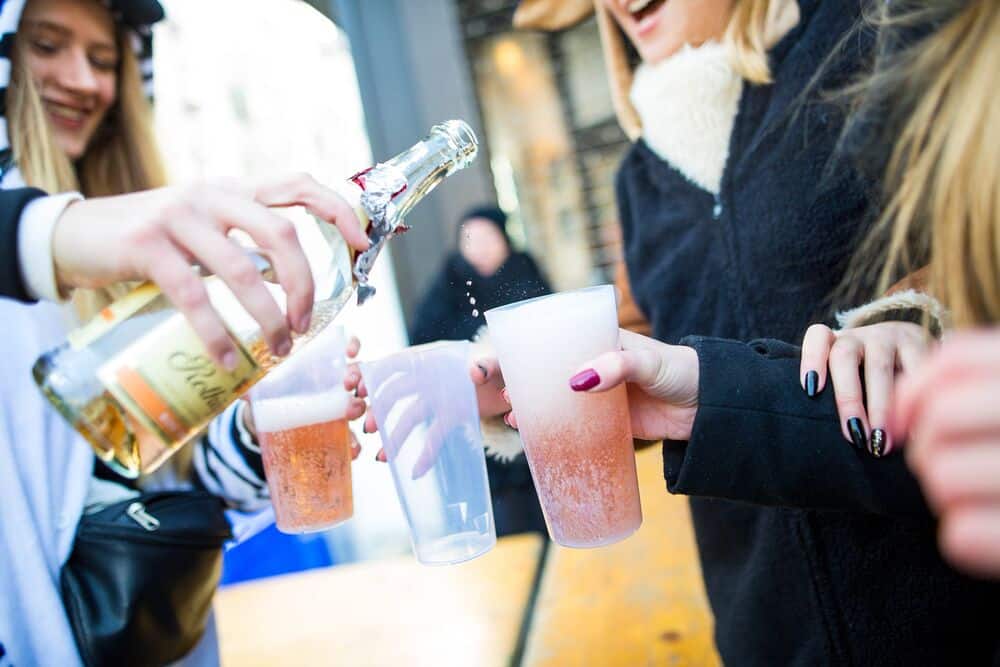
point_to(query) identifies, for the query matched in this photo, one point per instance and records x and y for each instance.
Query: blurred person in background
(739, 220)
(79, 126)
(486, 272)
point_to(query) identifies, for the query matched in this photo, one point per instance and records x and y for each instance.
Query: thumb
(613, 368)
(664, 371)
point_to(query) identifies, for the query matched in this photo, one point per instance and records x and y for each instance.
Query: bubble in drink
(472, 300)
(306, 448)
(468, 283)
(475, 312)
(584, 471)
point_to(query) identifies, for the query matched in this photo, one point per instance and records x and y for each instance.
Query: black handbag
(139, 582)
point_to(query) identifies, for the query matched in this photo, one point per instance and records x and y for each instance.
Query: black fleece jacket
(12, 204)
(812, 553)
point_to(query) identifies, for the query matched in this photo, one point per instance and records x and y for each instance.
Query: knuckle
(244, 274)
(848, 400)
(189, 293)
(843, 352)
(285, 230)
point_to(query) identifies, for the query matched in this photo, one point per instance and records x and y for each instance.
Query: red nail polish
(585, 380)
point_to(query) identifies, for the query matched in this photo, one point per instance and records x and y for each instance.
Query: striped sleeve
(228, 463)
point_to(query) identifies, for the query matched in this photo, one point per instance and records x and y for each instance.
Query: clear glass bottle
(137, 382)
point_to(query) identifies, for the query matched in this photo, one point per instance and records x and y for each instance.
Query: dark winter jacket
(454, 305)
(453, 309)
(813, 554)
(12, 204)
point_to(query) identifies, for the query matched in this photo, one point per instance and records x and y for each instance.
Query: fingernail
(857, 431)
(506, 420)
(380, 457)
(877, 443)
(505, 396)
(486, 373)
(229, 360)
(284, 347)
(585, 380)
(364, 428)
(812, 381)
(304, 322)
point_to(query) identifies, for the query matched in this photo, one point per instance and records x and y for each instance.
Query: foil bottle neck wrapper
(382, 183)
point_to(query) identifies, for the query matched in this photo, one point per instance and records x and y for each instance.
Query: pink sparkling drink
(305, 445)
(579, 446)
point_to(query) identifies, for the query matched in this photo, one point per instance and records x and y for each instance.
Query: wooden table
(639, 602)
(384, 613)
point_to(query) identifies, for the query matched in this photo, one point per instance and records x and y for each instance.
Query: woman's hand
(884, 350)
(160, 234)
(949, 413)
(662, 383)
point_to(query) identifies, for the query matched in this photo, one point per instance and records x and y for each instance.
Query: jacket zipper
(137, 512)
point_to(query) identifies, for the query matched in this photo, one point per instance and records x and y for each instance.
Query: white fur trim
(501, 441)
(905, 300)
(688, 105)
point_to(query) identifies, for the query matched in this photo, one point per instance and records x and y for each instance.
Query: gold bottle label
(112, 314)
(168, 382)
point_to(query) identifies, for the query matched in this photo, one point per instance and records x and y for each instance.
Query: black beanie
(491, 213)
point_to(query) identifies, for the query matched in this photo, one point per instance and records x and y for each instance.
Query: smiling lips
(67, 116)
(643, 13)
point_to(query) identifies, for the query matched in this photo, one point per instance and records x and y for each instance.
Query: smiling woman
(78, 115)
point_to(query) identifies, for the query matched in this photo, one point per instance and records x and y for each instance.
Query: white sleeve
(34, 244)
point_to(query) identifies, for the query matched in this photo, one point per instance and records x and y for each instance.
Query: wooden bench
(392, 612)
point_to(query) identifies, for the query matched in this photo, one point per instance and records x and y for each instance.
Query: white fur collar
(688, 104)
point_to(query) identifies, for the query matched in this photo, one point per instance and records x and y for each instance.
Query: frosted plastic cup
(425, 408)
(578, 445)
(299, 411)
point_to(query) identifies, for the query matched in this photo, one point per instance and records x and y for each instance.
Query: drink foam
(282, 414)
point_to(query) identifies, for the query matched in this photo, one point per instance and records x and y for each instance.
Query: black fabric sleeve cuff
(758, 438)
(12, 204)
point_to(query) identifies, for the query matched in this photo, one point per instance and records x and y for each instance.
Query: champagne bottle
(137, 383)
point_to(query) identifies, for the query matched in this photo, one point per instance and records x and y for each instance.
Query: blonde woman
(78, 122)
(739, 223)
(943, 195)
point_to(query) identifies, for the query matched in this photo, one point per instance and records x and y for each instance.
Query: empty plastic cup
(579, 446)
(425, 408)
(299, 411)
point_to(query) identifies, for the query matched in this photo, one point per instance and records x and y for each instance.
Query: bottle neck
(391, 189)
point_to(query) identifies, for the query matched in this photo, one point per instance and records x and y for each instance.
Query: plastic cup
(425, 408)
(579, 446)
(299, 411)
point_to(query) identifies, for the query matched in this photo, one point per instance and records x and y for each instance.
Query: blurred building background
(248, 88)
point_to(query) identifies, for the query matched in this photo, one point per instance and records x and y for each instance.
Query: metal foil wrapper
(381, 184)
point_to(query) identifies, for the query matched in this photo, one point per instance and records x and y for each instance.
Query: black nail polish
(812, 382)
(857, 431)
(877, 443)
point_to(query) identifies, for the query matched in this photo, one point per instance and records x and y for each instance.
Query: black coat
(12, 204)
(446, 313)
(454, 304)
(812, 553)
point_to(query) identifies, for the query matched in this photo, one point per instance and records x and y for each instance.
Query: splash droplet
(468, 283)
(472, 300)
(475, 312)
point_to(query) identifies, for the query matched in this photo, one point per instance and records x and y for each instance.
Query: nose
(77, 74)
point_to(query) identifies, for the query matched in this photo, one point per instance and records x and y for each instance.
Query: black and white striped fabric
(141, 35)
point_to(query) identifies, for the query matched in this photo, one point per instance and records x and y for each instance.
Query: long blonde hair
(746, 36)
(942, 186)
(123, 156)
